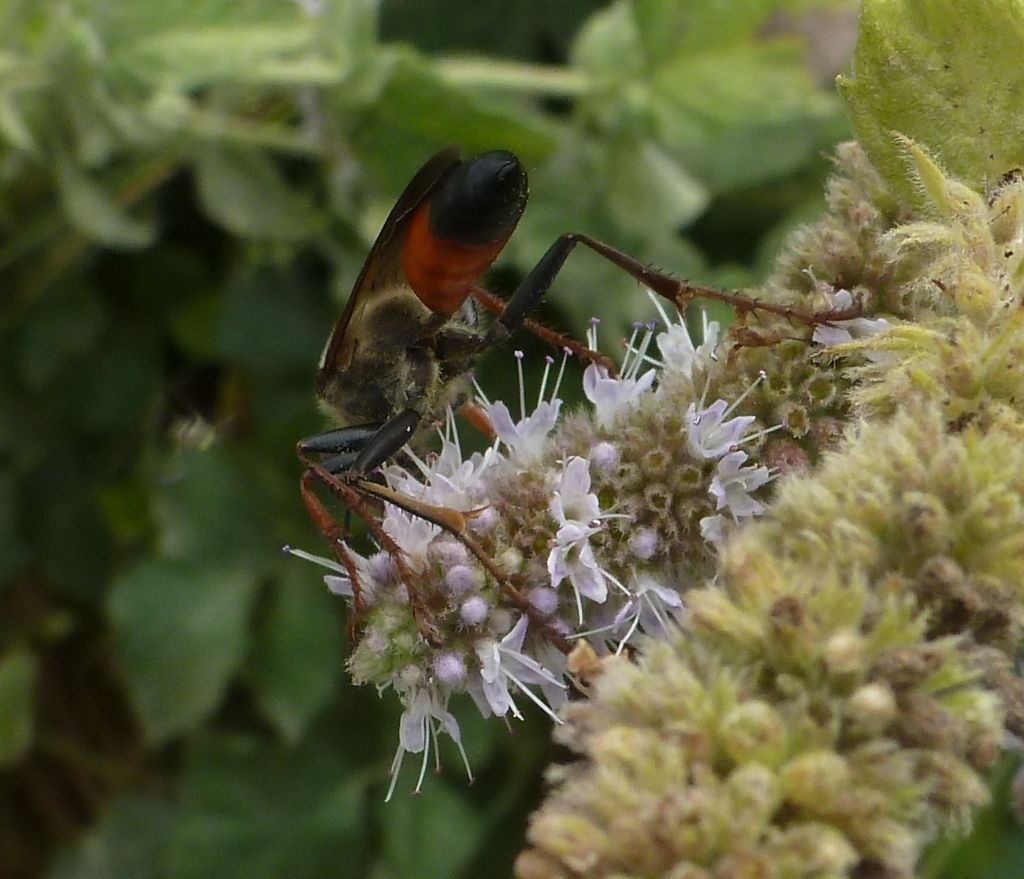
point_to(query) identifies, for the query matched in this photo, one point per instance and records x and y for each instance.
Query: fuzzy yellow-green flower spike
(817, 700)
(837, 690)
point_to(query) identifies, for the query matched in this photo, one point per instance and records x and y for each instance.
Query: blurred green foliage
(187, 191)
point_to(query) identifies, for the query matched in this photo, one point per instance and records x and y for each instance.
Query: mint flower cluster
(595, 524)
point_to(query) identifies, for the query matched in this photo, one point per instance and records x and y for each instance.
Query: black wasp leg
(343, 446)
(362, 448)
(533, 287)
(392, 435)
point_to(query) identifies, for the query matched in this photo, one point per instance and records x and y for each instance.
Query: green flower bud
(816, 781)
(871, 708)
(753, 732)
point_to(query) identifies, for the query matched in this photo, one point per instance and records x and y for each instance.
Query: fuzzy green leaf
(129, 841)
(245, 193)
(253, 811)
(270, 54)
(417, 112)
(297, 655)
(947, 74)
(17, 685)
(215, 504)
(650, 191)
(95, 212)
(181, 632)
(430, 840)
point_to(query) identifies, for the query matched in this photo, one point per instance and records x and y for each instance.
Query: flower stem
(514, 76)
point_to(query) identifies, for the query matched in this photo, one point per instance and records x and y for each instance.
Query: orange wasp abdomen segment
(442, 271)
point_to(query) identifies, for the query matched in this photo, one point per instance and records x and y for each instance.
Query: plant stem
(549, 80)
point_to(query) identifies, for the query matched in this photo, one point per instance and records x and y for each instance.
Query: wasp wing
(382, 267)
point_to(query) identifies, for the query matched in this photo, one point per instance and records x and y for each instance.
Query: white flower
(578, 513)
(446, 479)
(424, 710)
(573, 501)
(712, 529)
(340, 582)
(652, 608)
(677, 348)
(411, 533)
(840, 331)
(611, 396)
(732, 484)
(524, 438)
(573, 557)
(710, 436)
(503, 663)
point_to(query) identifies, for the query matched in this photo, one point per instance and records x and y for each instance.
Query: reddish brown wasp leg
(676, 291)
(353, 500)
(332, 531)
(454, 523)
(559, 341)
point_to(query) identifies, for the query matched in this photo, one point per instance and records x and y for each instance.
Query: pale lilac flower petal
(709, 435)
(525, 438)
(732, 484)
(712, 529)
(610, 396)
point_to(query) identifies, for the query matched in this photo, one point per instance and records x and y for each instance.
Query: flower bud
(816, 781)
(846, 653)
(871, 708)
(753, 732)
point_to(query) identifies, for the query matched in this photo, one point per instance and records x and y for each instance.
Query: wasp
(412, 327)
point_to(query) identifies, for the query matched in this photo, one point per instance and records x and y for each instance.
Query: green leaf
(297, 653)
(181, 632)
(268, 54)
(116, 387)
(432, 836)
(609, 45)
(253, 811)
(13, 125)
(741, 116)
(12, 523)
(649, 191)
(245, 193)
(129, 842)
(212, 506)
(96, 213)
(17, 688)
(62, 328)
(946, 74)
(272, 323)
(670, 28)
(417, 112)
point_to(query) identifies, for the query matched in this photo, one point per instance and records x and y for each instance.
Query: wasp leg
(343, 445)
(533, 287)
(352, 499)
(559, 341)
(389, 438)
(454, 523)
(360, 449)
(334, 533)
